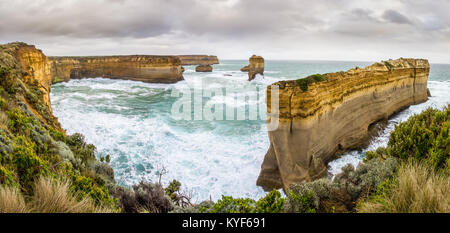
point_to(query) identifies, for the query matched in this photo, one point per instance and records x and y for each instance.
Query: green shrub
(29, 165)
(303, 84)
(18, 121)
(303, 203)
(424, 136)
(8, 177)
(271, 203)
(229, 204)
(318, 77)
(98, 193)
(57, 135)
(173, 187)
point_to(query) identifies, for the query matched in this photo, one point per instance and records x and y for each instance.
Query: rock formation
(203, 68)
(145, 68)
(256, 66)
(198, 59)
(204, 62)
(322, 115)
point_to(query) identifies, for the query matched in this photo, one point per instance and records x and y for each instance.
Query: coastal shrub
(145, 197)
(11, 200)
(302, 203)
(340, 194)
(417, 188)
(271, 203)
(229, 204)
(318, 77)
(303, 83)
(29, 165)
(388, 65)
(8, 177)
(97, 191)
(81, 150)
(4, 71)
(18, 121)
(424, 136)
(57, 135)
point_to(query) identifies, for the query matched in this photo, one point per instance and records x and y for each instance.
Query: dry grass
(416, 189)
(54, 196)
(11, 201)
(3, 120)
(50, 196)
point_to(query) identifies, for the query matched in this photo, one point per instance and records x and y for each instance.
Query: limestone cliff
(32, 69)
(256, 66)
(198, 59)
(32, 142)
(145, 68)
(324, 114)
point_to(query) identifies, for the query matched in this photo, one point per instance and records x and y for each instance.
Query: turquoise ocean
(133, 123)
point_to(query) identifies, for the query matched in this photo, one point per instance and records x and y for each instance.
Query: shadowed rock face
(333, 112)
(145, 68)
(203, 68)
(256, 66)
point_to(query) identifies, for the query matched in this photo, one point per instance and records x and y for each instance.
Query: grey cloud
(231, 28)
(395, 17)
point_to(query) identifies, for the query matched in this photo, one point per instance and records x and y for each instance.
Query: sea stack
(203, 68)
(321, 115)
(256, 66)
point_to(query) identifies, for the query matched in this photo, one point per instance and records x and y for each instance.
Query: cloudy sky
(234, 29)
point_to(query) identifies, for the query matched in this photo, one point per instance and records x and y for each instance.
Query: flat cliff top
(304, 97)
(120, 58)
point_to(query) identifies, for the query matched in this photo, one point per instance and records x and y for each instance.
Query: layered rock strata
(198, 59)
(322, 115)
(256, 66)
(145, 68)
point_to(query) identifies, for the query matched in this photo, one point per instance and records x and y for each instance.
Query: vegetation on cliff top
(303, 83)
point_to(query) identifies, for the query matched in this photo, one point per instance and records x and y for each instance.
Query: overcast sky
(234, 29)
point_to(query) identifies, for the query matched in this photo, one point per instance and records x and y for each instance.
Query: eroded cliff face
(324, 114)
(256, 66)
(29, 79)
(145, 68)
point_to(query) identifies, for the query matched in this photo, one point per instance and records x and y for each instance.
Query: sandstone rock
(145, 68)
(203, 68)
(256, 66)
(198, 59)
(324, 114)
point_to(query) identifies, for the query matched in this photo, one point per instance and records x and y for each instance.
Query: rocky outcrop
(203, 68)
(145, 68)
(198, 59)
(322, 115)
(256, 66)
